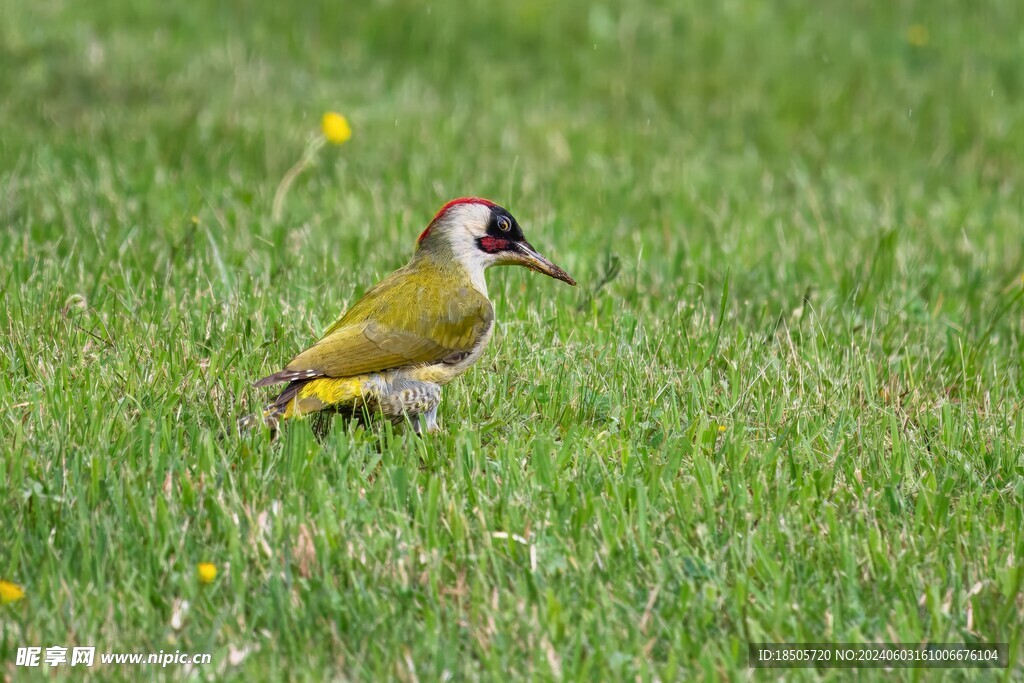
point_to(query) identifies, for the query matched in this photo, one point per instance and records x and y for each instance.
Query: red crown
(444, 209)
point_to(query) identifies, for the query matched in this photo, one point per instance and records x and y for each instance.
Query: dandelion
(917, 35)
(334, 129)
(721, 428)
(207, 572)
(10, 592)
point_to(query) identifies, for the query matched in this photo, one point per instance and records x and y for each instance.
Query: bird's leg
(320, 423)
(428, 419)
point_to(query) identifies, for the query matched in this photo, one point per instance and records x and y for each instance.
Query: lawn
(786, 402)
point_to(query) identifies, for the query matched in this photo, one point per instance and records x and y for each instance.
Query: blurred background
(742, 135)
(783, 404)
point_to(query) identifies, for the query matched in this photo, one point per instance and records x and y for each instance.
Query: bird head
(480, 234)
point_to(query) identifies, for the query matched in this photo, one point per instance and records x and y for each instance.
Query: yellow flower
(722, 428)
(335, 128)
(10, 592)
(207, 572)
(917, 35)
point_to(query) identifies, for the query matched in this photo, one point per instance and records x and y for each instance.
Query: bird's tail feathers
(273, 412)
(304, 397)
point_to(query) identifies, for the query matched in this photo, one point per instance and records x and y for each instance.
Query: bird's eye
(505, 224)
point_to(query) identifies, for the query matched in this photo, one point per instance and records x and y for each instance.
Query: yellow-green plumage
(416, 330)
(422, 313)
(316, 394)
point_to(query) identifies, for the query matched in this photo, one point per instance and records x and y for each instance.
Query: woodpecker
(413, 332)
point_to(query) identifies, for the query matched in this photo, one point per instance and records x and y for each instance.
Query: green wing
(404, 320)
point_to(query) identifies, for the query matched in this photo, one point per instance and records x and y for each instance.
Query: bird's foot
(425, 424)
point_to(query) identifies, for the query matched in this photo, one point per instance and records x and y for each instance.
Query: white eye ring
(505, 224)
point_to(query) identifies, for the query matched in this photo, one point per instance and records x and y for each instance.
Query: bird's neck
(450, 262)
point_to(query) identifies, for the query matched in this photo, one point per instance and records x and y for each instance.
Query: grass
(785, 403)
